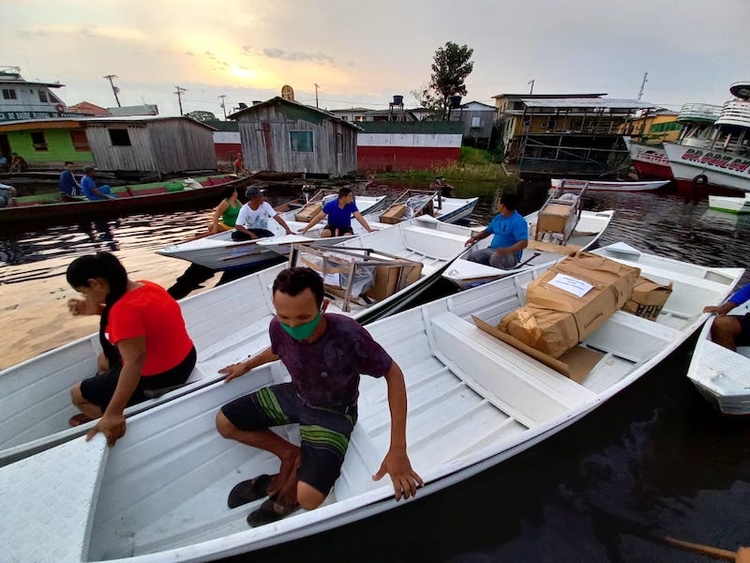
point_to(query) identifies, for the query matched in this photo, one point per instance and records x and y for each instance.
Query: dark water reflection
(656, 458)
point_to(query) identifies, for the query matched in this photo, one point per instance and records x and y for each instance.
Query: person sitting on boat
(511, 236)
(90, 189)
(325, 355)
(252, 220)
(68, 184)
(225, 214)
(18, 163)
(339, 212)
(7, 193)
(446, 190)
(728, 330)
(143, 336)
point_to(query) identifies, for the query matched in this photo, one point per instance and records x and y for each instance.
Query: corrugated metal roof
(280, 100)
(423, 127)
(603, 103)
(552, 96)
(104, 120)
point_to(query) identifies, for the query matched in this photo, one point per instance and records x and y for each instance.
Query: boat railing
(699, 112)
(735, 113)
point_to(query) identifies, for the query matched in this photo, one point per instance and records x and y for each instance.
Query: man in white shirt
(252, 221)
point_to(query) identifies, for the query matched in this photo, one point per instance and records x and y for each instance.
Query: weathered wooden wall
(264, 132)
(164, 146)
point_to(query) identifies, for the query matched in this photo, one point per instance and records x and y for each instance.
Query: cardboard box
(648, 298)
(387, 280)
(307, 213)
(393, 214)
(554, 218)
(576, 363)
(555, 319)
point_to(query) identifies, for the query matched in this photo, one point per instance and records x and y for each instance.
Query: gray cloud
(284, 55)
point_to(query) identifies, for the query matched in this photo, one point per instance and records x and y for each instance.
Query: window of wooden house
(80, 141)
(119, 137)
(476, 122)
(39, 142)
(43, 96)
(344, 118)
(302, 141)
(9, 94)
(339, 143)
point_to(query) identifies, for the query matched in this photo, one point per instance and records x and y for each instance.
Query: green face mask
(303, 331)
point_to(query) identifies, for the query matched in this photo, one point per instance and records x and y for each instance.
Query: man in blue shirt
(728, 330)
(511, 237)
(68, 184)
(340, 212)
(90, 189)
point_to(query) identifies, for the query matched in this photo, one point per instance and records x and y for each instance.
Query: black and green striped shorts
(324, 432)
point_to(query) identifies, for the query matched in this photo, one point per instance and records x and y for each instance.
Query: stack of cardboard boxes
(572, 300)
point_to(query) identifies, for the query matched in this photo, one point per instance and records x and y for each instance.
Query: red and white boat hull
(650, 161)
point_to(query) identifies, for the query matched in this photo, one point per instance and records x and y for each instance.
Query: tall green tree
(450, 67)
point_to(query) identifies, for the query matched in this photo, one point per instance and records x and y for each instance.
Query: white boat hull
(474, 401)
(728, 204)
(35, 400)
(650, 161)
(701, 166)
(219, 252)
(465, 274)
(721, 375)
(600, 186)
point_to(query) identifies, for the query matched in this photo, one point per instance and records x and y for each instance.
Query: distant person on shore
(728, 330)
(225, 215)
(143, 335)
(339, 213)
(18, 163)
(446, 190)
(239, 166)
(90, 189)
(252, 220)
(3, 163)
(511, 236)
(7, 193)
(68, 184)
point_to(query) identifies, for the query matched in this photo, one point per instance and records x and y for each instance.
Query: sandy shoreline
(34, 314)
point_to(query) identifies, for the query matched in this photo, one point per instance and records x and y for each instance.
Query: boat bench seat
(433, 242)
(517, 384)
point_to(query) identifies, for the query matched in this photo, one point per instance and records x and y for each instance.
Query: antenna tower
(643, 85)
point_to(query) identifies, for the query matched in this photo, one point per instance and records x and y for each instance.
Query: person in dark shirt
(325, 355)
(340, 212)
(68, 184)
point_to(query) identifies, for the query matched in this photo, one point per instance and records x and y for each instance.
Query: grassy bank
(474, 172)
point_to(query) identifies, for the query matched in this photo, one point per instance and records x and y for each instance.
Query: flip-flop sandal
(270, 511)
(78, 419)
(250, 490)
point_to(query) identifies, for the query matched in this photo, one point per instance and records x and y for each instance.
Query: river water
(656, 459)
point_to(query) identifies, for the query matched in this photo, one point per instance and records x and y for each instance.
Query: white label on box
(332, 279)
(577, 287)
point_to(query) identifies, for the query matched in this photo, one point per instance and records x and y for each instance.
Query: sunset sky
(361, 54)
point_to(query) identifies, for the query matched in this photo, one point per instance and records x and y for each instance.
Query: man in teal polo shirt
(511, 236)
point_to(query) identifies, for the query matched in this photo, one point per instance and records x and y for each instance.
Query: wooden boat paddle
(742, 555)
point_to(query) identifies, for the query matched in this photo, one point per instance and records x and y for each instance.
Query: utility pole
(115, 89)
(643, 85)
(316, 94)
(223, 106)
(532, 85)
(179, 91)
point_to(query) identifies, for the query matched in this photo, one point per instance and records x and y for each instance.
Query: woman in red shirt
(143, 338)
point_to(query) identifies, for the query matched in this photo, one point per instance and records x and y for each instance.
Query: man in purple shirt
(731, 330)
(325, 355)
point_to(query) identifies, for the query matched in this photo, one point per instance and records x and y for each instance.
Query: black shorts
(100, 388)
(339, 231)
(744, 338)
(324, 432)
(260, 233)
